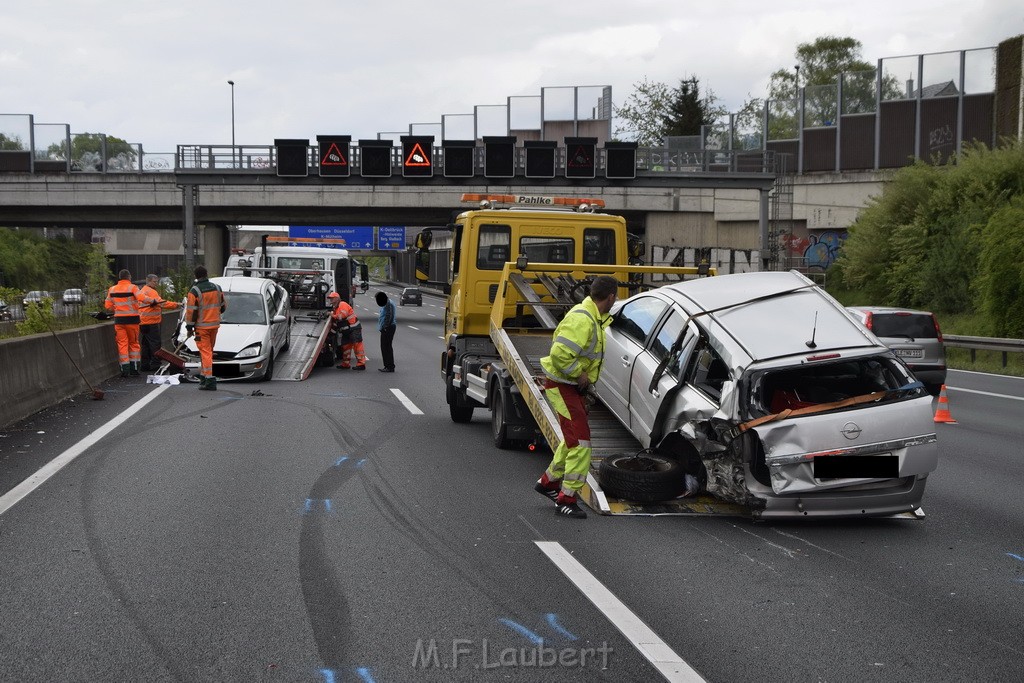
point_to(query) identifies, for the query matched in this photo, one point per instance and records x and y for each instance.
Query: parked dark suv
(914, 336)
(411, 296)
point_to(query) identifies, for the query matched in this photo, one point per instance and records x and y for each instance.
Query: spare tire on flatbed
(642, 477)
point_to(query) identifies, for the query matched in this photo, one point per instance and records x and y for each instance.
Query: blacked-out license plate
(856, 467)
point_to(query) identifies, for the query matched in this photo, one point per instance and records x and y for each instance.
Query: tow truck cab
(534, 230)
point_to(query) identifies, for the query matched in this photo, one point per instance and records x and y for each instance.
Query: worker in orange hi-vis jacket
(203, 308)
(126, 300)
(151, 316)
(349, 331)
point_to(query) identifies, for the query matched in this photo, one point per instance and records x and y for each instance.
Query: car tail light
(938, 332)
(867, 320)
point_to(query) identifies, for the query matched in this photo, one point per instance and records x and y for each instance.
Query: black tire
(642, 478)
(499, 429)
(460, 414)
(269, 374)
(288, 337)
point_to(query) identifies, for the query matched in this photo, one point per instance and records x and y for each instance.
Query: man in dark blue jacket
(386, 324)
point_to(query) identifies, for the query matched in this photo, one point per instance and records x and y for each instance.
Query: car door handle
(655, 393)
(625, 361)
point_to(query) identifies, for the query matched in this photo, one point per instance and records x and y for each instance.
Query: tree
(819, 65)
(643, 114)
(11, 143)
(87, 151)
(688, 112)
(98, 274)
(653, 111)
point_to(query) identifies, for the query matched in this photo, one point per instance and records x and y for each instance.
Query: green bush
(39, 317)
(1002, 270)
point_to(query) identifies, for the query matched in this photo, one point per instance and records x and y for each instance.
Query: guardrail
(1006, 346)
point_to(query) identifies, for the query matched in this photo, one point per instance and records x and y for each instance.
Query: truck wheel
(499, 430)
(642, 478)
(459, 413)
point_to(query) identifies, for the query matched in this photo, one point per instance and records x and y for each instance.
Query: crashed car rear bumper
(903, 495)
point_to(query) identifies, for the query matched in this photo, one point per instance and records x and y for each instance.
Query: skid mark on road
(806, 542)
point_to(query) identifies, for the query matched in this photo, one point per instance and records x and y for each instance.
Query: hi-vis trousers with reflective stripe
(572, 457)
(127, 338)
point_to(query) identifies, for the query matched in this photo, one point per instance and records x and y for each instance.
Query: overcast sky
(156, 72)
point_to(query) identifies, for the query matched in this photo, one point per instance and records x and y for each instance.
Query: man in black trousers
(386, 324)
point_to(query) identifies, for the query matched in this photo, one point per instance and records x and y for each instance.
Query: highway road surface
(344, 529)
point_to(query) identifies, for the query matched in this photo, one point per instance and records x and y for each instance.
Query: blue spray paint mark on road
(1016, 557)
(553, 623)
(361, 462)
(523, 631)
(327, 505)
(328, 675)
(337, 463)
(309, 506)
(364, 674)
(314, 504)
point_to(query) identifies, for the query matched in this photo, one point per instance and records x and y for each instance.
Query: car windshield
(244, 308)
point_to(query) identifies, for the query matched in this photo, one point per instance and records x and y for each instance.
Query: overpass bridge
(659, 191)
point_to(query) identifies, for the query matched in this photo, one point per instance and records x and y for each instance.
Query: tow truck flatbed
(307, 337)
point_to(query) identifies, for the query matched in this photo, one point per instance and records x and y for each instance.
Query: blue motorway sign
(354, 236)
(391, 237)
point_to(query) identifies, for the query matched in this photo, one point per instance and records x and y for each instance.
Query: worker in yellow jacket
(571, 367)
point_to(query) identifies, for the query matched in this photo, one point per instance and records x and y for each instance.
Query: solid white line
(409, 405)
(11, 498)
(657, 652)
(985, 393)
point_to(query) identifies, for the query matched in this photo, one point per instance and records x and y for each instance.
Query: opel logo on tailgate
(850, 430)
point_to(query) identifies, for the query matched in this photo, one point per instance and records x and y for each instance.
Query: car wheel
(269, 374)
(461, 414)
(287, 336)
(499, 430)
(642, 477)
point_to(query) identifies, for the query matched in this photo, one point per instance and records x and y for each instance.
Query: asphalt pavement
(344, 529)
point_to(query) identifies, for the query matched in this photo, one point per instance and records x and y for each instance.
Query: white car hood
(234, 338)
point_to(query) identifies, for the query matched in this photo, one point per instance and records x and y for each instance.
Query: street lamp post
(232, 84)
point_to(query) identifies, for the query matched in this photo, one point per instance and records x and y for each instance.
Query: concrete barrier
(35, 373)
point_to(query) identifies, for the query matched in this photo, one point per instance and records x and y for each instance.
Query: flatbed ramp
(307, 337)
(522, 354)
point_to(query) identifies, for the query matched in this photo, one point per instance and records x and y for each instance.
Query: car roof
(770, 314)
(242, 284)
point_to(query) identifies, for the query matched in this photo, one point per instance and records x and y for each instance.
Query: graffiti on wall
(725, 260)
(818, 251)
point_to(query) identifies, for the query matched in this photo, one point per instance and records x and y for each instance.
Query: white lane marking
(985, 393)
(413, 328)
(409, 405)
(657, 651)
(11, 498)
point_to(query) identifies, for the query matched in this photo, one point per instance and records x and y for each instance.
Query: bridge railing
(652, 160)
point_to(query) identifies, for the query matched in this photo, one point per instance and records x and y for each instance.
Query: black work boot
(125, 368)
(134, 369)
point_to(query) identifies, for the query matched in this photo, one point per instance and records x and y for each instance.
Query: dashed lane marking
(409, 405)
(656, 650)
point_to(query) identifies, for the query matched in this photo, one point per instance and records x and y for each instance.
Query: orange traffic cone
(942, 411)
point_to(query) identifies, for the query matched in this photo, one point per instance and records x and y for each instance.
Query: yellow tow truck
(512, 275)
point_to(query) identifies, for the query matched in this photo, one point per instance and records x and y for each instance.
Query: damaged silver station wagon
(770, 393)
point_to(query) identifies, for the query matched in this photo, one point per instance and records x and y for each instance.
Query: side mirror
(280, 319)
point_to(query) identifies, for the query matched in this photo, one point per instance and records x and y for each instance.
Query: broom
(97, 394)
